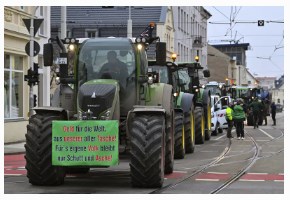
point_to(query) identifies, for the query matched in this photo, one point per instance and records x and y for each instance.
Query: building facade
(220, 65)
(267, 82)
(16, 64)
(190, 24)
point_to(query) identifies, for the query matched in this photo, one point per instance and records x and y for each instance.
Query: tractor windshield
(106, 58)
(110, 58)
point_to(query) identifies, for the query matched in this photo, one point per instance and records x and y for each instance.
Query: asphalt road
(258, 161)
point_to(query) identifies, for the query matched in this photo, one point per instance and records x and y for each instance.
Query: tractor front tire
(147, 133)
(38, 150)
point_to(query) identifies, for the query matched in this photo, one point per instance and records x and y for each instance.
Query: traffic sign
(36, 48)
(261, 22)
(36, 24)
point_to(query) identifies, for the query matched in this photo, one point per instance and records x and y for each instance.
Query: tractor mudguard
(205, 95)
(148, 109)
(186, 101)
(140, 109)
(51, 109)
(161, 95)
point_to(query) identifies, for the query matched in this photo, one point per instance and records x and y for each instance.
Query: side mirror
(48, 54)
(161, 53)
(206, 73)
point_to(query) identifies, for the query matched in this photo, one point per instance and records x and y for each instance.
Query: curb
(14, 153)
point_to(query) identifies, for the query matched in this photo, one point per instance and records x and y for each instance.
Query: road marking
(278, 180)
(217, 173)
(13, 174)
(266, 133)
(213, 176)
(207, 179)
(180, 172)
(249, 180)
(175, 175)
(262, 177)
(220, 137)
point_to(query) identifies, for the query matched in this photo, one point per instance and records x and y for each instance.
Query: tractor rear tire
(147, 133)
(189, 132)
(38, 150)
(169, 149)
(199, 125)
(179, 145)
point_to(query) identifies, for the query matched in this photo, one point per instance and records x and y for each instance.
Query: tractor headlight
(71, 47)
(175, 94)
(150, 80)
(139, 46)
(138, 40)
(105, 115)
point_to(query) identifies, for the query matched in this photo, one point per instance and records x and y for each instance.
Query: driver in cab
(114, 68)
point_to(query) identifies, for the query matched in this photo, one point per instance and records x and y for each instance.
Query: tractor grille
(97, 98)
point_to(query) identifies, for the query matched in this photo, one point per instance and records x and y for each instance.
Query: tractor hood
(96, 97)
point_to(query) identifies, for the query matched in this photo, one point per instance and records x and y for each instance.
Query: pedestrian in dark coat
(239, 117)
(273, 113)
(256, 107)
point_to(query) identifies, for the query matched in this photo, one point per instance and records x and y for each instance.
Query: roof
(243, 45)
(94, 16)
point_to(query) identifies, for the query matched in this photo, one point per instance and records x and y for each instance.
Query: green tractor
(183, 108)
(188, 73)
(91, 100)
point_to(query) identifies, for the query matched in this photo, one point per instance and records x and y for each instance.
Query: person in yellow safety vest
(229, 118)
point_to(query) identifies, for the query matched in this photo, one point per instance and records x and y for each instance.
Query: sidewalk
(14, 148)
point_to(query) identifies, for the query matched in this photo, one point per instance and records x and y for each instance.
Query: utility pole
(31, 56)
(63, 22)
(129, 26)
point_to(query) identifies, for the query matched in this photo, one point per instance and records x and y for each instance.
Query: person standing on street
(239, 118)
(273, 113)
(266, 104)
(229, 118)
(257, 108)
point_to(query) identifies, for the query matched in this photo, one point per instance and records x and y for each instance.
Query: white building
(190, 23)
(16, 64)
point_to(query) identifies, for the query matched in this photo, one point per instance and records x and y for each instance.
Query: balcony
(197, 42)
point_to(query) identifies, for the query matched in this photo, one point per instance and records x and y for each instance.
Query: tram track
(251, 161)
(198, 171)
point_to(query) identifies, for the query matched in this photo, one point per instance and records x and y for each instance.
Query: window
(179, 20)
(13, 86)
(91, 33)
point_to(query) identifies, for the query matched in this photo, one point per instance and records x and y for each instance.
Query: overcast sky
(266, 57)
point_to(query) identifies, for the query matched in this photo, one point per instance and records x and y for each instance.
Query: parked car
(279, 107)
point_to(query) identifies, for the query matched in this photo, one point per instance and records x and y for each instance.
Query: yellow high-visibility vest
(229, 113)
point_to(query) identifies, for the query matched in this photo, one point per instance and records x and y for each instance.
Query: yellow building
(16, 64)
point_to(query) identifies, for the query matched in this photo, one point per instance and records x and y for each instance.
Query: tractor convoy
(112, 100)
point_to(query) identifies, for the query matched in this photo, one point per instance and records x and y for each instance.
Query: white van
(214, 119)
(218, 111)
